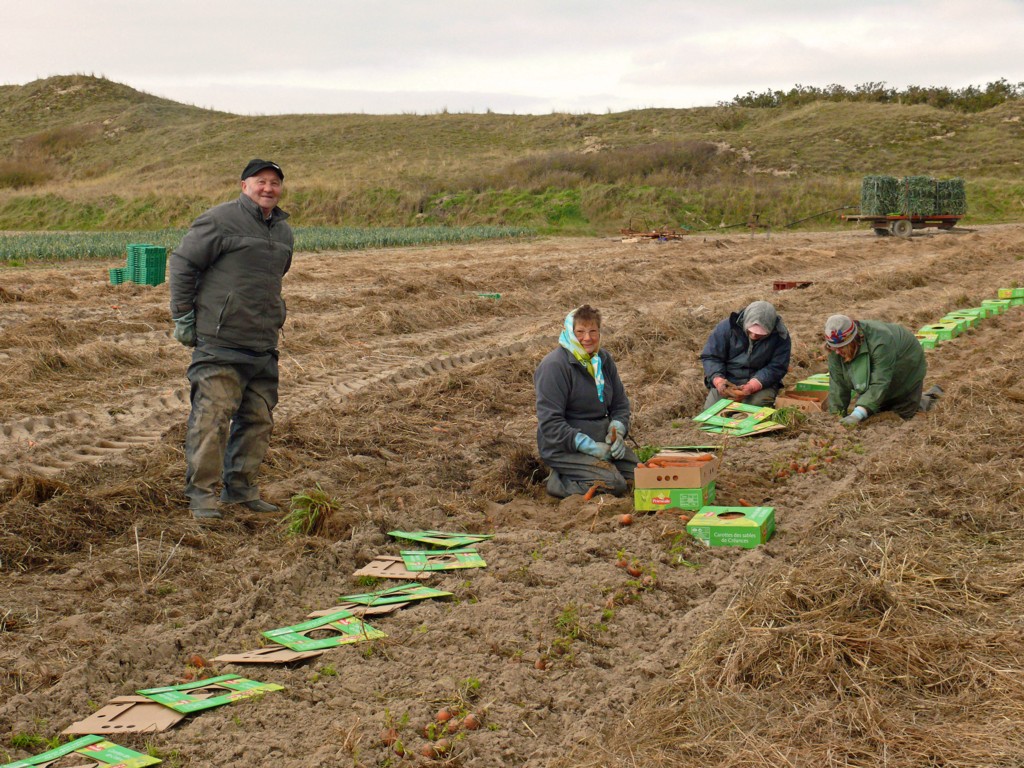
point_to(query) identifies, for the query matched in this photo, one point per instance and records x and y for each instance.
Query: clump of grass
(310, 512)
(644, 452)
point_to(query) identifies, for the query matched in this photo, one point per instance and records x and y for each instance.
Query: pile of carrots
(669, 460)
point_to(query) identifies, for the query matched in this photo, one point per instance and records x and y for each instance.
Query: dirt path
(409, 397)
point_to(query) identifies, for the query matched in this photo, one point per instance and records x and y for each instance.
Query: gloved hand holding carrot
(616, 438)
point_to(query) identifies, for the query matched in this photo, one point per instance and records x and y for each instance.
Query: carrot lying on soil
(592, 491)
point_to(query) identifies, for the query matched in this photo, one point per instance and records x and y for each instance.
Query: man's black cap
(257, 165)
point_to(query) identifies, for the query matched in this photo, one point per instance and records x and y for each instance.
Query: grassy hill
(87, 153)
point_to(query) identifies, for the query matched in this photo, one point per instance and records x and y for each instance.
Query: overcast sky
(523, 56)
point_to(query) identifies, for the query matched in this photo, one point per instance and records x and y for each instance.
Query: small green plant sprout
(468, 690)
(310, 512)
(328, 671)
(27, 740)
(677, 550)
(568, 622)
(644, 452)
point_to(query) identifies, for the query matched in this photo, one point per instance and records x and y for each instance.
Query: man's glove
(857, 415)
(586, 444)
(751, 387)
(617, 443)
(721, 384)
(185, 329)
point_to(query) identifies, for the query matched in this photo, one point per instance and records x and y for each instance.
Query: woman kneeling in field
(582, 412)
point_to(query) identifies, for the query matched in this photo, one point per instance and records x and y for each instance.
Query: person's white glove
(857, 415)
(616, 442)
(185, 329)
(586, 444)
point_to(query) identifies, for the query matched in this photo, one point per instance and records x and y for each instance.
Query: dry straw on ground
(880, 626)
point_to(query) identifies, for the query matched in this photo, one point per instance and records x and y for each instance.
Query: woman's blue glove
(857, 415)
(586, 444)
(618, 442)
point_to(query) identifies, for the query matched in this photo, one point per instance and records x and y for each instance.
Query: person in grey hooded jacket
(583, 414)
(747, 356)
(225, 285)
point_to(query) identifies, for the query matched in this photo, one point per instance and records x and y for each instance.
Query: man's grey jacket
(228, 269)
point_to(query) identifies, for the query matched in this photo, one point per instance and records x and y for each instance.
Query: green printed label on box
(814, 382)
(1011, 293)
(688, 499)
(442, 538)
(998, 306)
(349, 628)
(943, 331)
(441, 560)
(181, 698)
(746, 527)
(96, 748)
(403, 593)
(962, 319)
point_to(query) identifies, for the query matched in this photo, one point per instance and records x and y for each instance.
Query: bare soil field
(880, 626)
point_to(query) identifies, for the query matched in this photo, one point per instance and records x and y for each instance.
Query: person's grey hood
(763, 313)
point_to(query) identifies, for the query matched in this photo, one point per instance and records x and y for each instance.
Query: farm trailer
(904, 226)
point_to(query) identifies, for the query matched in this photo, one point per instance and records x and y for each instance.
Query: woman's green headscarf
(569, 341)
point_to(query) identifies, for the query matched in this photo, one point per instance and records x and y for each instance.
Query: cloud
(528, 56)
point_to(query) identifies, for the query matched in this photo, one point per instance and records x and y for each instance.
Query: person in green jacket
(881, 363)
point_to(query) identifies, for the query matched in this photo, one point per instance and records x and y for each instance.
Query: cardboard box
(808, 401)
(998, 306)
(928, 340)
(813, 383)
(680, 477)
(964, 320)
(943, 331)
(1011, 293)
(687, 499)
(746, 527)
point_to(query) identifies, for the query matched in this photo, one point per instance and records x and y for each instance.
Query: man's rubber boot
(206, 513)
(259, 505)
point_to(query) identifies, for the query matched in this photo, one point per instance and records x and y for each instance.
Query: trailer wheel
(881, 231)
(902, 228)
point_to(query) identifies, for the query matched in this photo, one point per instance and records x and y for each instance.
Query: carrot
(744, 503)
(593, 490)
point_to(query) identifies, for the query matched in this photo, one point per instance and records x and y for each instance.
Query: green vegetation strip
(61, 246)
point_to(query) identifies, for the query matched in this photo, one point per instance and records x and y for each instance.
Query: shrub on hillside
(18, 174)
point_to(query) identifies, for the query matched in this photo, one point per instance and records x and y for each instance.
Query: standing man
(225, 284)
(881, 363)
(747, 356)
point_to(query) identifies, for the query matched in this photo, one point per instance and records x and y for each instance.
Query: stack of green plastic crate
(912, 196)
(147, 264)
(879, 195)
